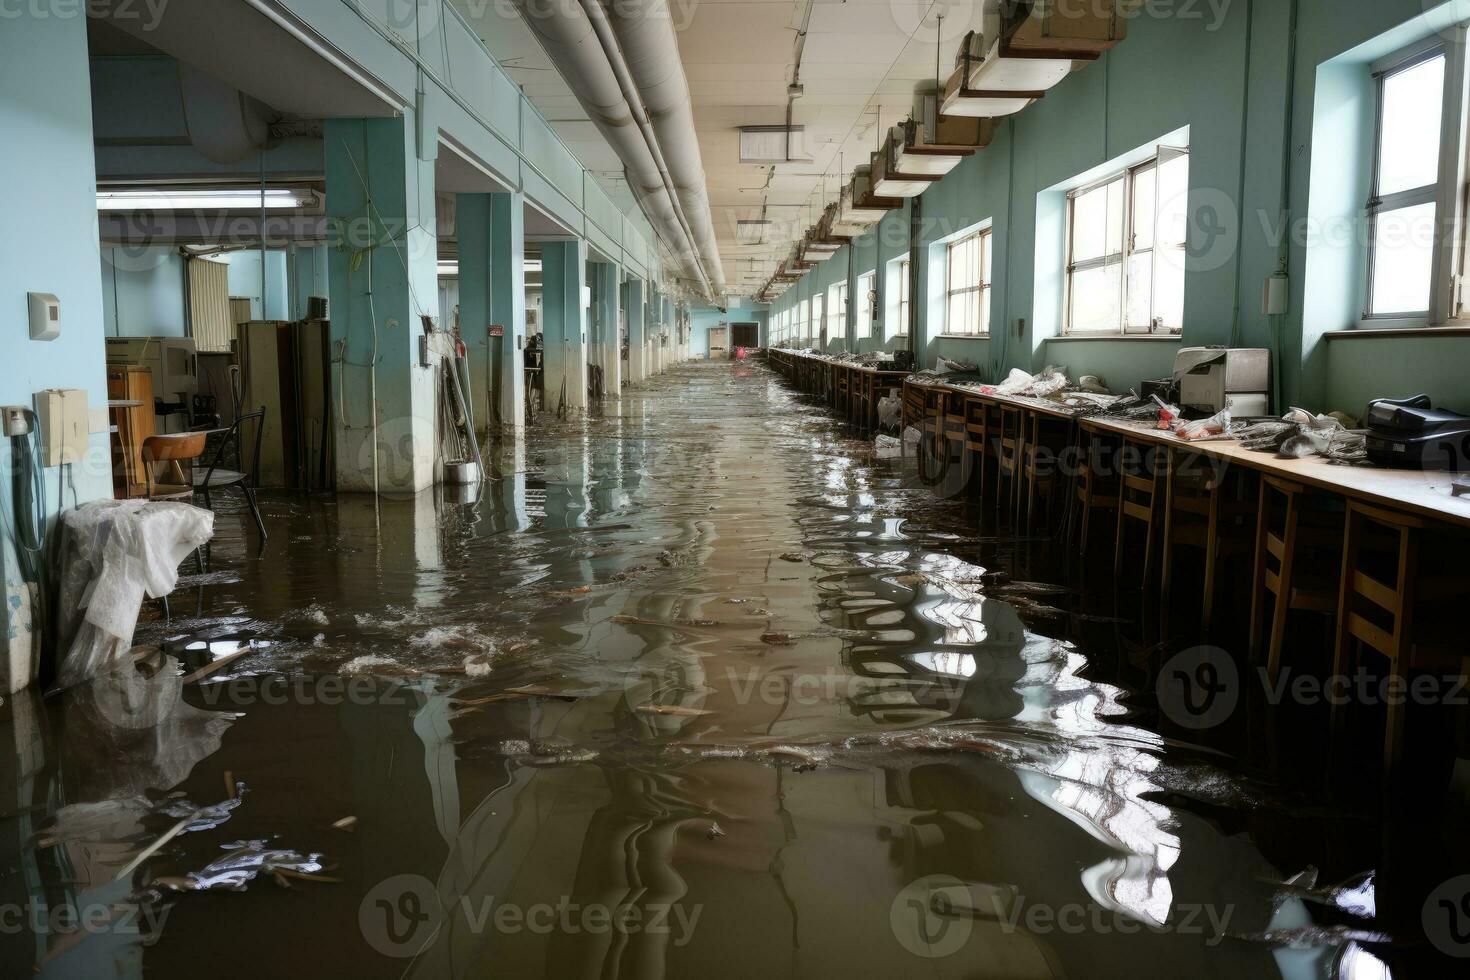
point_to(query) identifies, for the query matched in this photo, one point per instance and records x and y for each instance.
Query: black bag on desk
(1409, 433)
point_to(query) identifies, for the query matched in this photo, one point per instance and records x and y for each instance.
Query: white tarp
(115, 553)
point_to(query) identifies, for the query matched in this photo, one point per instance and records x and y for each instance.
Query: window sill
(962, 336)
(1172, 338)
(1361, 333)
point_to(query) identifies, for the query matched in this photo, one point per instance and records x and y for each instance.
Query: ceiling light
(218, 199)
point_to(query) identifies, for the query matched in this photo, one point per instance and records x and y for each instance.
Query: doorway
(719, 342)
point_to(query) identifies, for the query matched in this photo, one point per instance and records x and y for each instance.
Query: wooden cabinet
(130, 409)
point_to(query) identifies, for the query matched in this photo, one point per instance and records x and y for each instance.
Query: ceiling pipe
(567, 34)
(649, 49)
(597, 16)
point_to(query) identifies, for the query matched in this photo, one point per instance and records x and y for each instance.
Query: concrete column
(564, 323)
(382, 279)
(636, 290)
(607, 300)
(492, 293)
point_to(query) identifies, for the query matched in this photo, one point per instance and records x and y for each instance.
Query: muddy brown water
(696, 687)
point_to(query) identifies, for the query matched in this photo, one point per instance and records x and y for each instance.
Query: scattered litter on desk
(1215, 427)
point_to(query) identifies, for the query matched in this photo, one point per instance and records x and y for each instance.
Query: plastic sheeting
(115, 553)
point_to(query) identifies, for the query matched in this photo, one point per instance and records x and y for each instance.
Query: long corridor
(701, 688)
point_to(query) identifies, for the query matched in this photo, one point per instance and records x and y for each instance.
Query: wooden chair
(1200, 512)
(168, 462)
(1381, 607)
(1046, 436)
(1097, 485)
(977, 435)
(1009, 436)
(1309, 536)
(1140, 493)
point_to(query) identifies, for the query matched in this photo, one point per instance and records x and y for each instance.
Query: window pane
(1403, 249)
(1140, 290)
(1090, 225)
(1144, 203)
(985, 241)
(1413, 100)
(1095, 298)
(985, 310)
(1173, 197)
(1169, 287)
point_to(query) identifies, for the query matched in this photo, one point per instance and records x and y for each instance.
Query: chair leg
(1167, 573)
(254, 511)
(1343, 658)
(1258, 570)
(1283, 591)
(1400, 658)
(1212, 556)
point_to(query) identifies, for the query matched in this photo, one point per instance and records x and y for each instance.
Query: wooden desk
(1423, 494)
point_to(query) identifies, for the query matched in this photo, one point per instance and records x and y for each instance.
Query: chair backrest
(232, 438)
(173, 445)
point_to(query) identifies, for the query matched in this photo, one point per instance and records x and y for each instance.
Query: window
(865, 286)
(837, 310)
(818, 326)
(899, 282)
(801, 323)
(1125, 249)
(967, 286)
(1404, 205)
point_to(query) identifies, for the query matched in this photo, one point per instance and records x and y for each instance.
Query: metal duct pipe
(578, 52)
(224, 124)
(645, 31)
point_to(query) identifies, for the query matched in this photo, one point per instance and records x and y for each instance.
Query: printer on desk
(1410, 433)
(1215, 378)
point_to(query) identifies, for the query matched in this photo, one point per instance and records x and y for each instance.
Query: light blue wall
(47, 197)
(245, 281)
(700, 321)
(1227, 73)
(143, 289)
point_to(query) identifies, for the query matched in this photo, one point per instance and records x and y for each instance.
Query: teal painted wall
(47, 197)
(700, 321)
(1228, 74)
(143, 291)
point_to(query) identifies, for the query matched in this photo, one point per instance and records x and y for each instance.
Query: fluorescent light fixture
(218, 199)
(450, 267)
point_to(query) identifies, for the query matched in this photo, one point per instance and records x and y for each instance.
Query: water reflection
(700, 668)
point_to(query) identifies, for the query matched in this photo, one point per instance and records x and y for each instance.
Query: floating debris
(241, 863)
(714, 832)
(676, 710)
(778, 639)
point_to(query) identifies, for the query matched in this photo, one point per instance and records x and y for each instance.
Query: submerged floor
(700, 688)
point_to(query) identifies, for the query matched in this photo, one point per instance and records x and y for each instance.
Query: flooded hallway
(699, 686)
(681, 489)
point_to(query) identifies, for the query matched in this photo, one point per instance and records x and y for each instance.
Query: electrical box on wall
(64, 425)
(45, 316)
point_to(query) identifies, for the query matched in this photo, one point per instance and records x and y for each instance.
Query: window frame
(867, 283)
(837, 310)
(1447, 193)
(1129, 177)
(984, 242)
(902, 307)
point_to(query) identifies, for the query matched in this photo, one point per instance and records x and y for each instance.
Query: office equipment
(1215, 378)
(1411, 433)
(64, 425)
(45, 315)
(284, 367)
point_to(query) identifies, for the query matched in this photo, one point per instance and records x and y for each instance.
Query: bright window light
(232, 199)
(450, 267)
